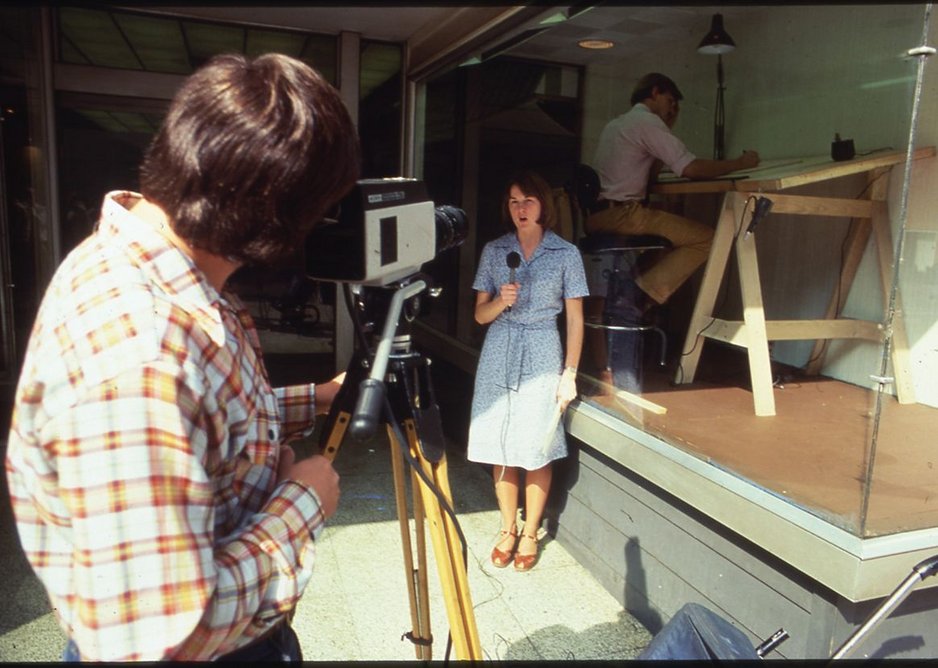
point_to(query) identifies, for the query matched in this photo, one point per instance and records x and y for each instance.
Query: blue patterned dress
(521, 360)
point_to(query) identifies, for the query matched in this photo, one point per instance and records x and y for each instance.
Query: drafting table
(753, 333)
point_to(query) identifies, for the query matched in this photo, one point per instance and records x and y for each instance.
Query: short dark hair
(251, 155)
(531, 184)
(643, 89)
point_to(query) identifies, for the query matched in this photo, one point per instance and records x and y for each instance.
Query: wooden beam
(803, 205)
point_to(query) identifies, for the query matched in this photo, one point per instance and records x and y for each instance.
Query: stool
(620, 317)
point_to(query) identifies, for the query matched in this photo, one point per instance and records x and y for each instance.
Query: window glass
(379, 109)
(136, 41)
(482, 123)
(832, 409)
(25, 225)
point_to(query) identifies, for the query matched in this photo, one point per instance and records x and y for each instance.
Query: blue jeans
(281, 644)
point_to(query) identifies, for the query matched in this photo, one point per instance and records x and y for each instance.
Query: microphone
(513, 261)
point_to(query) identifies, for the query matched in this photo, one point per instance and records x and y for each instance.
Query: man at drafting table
(632, 149)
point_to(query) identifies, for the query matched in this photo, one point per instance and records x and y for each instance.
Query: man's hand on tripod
(315, 472)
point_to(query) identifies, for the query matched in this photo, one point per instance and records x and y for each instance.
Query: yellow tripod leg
(331, 449)
(454, 580)
(416, 579)
(423, 588)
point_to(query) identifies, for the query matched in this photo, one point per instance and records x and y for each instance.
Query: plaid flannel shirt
(143, 452)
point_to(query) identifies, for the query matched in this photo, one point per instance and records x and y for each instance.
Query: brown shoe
(525, 562)
(501, 558)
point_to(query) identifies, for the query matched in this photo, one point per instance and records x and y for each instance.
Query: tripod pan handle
(368, 409)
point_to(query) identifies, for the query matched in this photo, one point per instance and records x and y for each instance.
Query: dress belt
(518, 347)
(549, 323)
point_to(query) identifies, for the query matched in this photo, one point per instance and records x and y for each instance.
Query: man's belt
(603, 204)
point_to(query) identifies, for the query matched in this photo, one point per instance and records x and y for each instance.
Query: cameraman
(152, 491)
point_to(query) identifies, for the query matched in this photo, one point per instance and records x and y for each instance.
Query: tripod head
(371, 393)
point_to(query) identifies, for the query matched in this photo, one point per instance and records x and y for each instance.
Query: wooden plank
(728, 331)
(734, 331)
(803, 205)
(830, 169)
(804, 330)
(670, 184)
(709, 288)
(780, 174)
(757, 346)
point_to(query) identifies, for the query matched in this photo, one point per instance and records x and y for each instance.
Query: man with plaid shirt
(153, 491)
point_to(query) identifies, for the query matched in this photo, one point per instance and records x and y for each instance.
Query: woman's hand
(566, 390)
(490, 305)
(508, 293)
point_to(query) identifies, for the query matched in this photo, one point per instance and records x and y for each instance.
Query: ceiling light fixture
(595, 44)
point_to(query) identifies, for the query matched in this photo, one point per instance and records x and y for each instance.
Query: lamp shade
(716, 41)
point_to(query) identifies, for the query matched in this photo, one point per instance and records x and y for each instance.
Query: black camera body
(384, 231)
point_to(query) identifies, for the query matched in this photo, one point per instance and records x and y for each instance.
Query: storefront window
(26, 229)
(802, 360)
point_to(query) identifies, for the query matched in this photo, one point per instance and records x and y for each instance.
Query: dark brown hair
(533, 185)
(643, 89)
(250, 156)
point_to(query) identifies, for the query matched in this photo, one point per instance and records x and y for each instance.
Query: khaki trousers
(690, 242)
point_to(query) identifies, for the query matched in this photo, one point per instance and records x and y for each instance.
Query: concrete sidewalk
(356, 606)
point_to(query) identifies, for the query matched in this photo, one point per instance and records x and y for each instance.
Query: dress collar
(549, 242)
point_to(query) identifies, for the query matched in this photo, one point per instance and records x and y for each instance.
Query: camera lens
(451, 227)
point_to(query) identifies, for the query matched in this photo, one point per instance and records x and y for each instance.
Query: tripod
(395, 388)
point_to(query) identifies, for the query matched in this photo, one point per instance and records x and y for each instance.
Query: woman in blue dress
(525, 379)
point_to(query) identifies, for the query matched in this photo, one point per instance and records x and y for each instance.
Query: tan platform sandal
(525, 562)
(501, 558)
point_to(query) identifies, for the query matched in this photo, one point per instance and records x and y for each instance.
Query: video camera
(384, 231)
